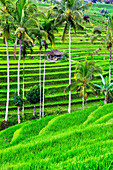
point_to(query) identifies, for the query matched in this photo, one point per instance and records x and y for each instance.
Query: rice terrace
(56, 85)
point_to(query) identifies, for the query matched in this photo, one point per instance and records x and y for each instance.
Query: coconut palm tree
(39, 34)
(5, 17)
(26, 45)
(23, 18)
(70, 13)
(84, 73)
(48, 26)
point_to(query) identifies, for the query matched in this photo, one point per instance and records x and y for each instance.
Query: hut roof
(55, 52)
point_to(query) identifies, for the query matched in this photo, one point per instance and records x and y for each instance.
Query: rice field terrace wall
(57, 72)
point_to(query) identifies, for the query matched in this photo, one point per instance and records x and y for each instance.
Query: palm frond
(73, 25)
(103, 81)
(85, 7)
(64, 32)
(80, 27)
(71, 87)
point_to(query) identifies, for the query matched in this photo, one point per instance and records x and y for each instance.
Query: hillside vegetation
(82, 140)
(57, 73)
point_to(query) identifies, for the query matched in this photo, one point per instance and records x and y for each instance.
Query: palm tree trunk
(34, 110)
(18, 114)
(40, 85)
(7, 103)
(43, 88)
(69, 108)
(83, 102)
(18, 85)
(23, 89)
(110, 65)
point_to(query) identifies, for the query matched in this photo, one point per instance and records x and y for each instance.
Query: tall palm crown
(70, 11)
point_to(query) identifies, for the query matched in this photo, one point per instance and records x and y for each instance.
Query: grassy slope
(61, 142)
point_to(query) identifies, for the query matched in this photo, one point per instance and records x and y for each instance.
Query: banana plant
(105, 88)
(70, 13)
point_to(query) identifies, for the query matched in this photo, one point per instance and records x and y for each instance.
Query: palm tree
(5, 11)
(105, 88)
(25, 46)
(84, 73)
(49, 28)
(22, 20)
(70, 12)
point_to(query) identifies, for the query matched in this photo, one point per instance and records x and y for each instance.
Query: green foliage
(18, 100)
(106, 88)
(33, 95)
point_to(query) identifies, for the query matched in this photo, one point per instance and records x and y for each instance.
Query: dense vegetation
(80, 140)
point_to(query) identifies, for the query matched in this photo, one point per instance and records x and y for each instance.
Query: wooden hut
(54, 55)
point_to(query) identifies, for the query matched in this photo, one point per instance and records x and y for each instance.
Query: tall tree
(70, 13)
(26, 45)
(39, 34)
(5, 23)
(48, 26)
(23, 12)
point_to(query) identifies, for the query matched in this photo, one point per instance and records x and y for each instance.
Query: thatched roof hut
(54, 55)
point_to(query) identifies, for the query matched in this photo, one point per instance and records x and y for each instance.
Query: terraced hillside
(82, 140)
(56, 72)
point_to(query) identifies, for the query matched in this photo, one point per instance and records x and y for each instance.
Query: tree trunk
(110, 65)
(40, 85)
(105, 100)
(23, 89)
(19, 77)
(34, 110)
(7, 103)
(69, 108)
(18, 114)
(43, 89)
(83, 102)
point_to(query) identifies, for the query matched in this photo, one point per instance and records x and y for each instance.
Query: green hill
(82, 140)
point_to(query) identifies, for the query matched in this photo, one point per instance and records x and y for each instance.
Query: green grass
(60, 143)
